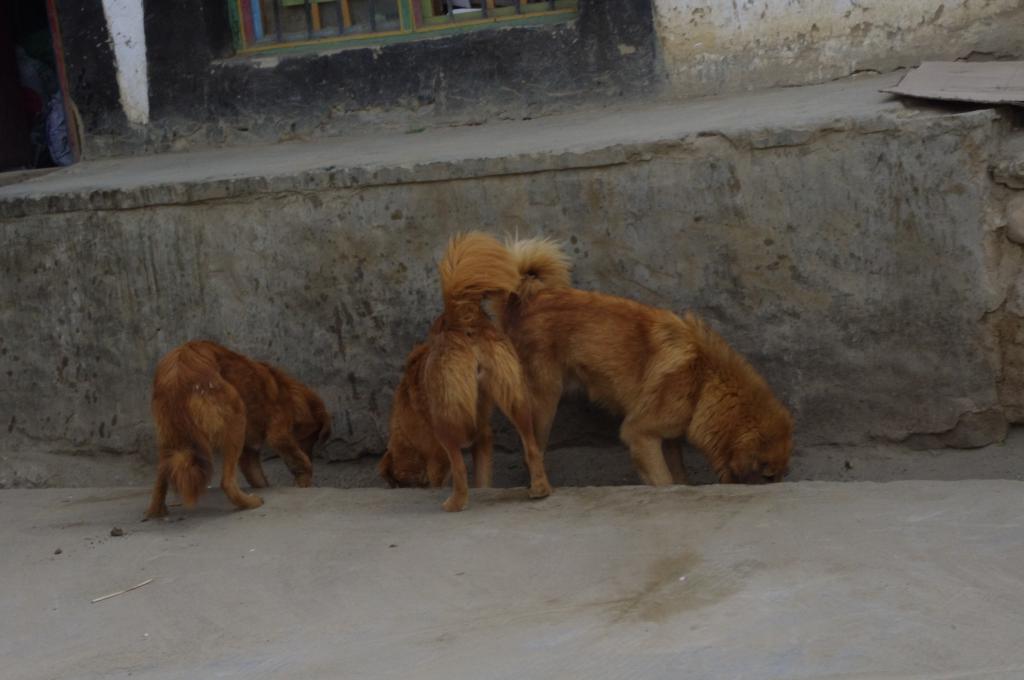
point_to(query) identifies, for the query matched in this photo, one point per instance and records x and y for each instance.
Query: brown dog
(206, 397)
(670, 377)
(452, 382)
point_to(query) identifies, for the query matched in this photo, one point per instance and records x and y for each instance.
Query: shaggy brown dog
(451, 382)
(670, 377)
(205, 398)
(415, 458)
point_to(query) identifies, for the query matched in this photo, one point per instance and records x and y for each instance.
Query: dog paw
(540, 489)
(250, 502)
(304, 481)
(156, 513)
(454, 505)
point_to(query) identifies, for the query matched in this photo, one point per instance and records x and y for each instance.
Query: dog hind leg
(483, 444)
(252, 468)
(508, 387)
(545, 397)
(158, 502)
(459, 498)
(519, 414)
(232, 443)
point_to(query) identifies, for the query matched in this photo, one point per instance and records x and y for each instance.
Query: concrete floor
(810, 580)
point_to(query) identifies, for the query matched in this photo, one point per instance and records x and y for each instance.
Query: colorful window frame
(274, 25)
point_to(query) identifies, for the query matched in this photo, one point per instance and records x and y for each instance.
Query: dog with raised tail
(452, 382)
(670, 378)
(207, 398)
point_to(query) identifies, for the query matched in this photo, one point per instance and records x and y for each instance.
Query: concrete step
(852, 246)
(596, 138)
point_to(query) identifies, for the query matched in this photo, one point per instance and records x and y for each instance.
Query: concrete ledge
(854, 248)
(814, 580)
(582, 140)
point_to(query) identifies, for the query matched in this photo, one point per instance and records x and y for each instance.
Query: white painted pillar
(127, 32)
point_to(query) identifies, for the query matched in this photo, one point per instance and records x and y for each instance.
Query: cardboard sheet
(989, 82)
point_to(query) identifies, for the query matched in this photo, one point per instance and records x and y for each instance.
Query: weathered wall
(1006, 320)
(91, 65)
(858, 267)
(714, 46)
(199, 95)
(128, 40)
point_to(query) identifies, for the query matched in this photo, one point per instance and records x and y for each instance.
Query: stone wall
(864, 267)
(715, 46)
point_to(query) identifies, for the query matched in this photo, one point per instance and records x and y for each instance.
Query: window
(260, 25)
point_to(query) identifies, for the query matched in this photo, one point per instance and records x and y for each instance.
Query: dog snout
(762, 477)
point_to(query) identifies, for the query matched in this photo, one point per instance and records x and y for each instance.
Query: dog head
(761, 455)
(414, 457)
(405, 467)
(312, 438)
(399, 474)
(311, 423)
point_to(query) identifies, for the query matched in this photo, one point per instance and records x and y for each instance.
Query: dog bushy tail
(540, 264)
(185, 381)
(475, 266)
(189, 474)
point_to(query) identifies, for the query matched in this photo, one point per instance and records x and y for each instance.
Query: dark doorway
(36, 130)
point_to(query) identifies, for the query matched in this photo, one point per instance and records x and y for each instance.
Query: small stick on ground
(122, 592)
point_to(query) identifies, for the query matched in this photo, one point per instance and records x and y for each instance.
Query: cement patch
(813, 580)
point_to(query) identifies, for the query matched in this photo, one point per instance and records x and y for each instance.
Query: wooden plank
(986, 82)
